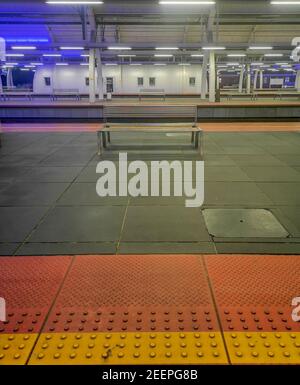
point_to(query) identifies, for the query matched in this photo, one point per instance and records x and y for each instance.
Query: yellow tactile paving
(15, 348)
(129, 348)
(263, 348)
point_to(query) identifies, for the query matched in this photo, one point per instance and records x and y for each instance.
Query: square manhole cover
(243, 223)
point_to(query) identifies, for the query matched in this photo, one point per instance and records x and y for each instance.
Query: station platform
(150, 309)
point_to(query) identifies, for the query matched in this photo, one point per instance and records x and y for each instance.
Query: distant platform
(175, 108)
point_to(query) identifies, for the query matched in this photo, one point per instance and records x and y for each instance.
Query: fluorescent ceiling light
(23, 47)
(163, 55)
(197, 55)
(174, 2)
(8, 66)
(256, 64)
(236, 55)
(85, 55)
(14, 54)
(166, 48)
(25, 69)
(126, 55)
(233, 64)
(37, 64)
(213, 48)
(11, 64)
(72, 48)
(118, 48)
(74, 2)
(110, 64)
(84, 64)
(51, 54)
(29, 66)
(184, 64)
(273, 54)
(259, 47)
(285, 2)
(61, 64)
(159, 64)
(281, 64)
(135, 64)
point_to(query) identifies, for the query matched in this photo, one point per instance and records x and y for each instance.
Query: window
(192, 82)
(87, 81)
(152, 82)
(140, 81)
(47, 81)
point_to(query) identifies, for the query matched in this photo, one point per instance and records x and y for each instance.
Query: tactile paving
(15, 348)
(263, 348)
(134, 293)
(254, 300)
(29, 285)
(129, 348)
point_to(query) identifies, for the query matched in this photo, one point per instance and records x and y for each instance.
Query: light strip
(25, 69)
(84, 64)
(135, 64)
(256, 64)
(236, 55)
(23, 47)
(233, 64)
(61, 64)
(126, 55)
(166, 48)
(184, 64)
(273, 54)
(197, 55)
(163, 55)
(14, 55)
(285, 2)
(29, 66)
(160, 64)
(213, 48)
(259, 47)
(118, 48)
(51, 54)
(36, 64)
(11, 64)
(85, 55)
(163, 2)
(78, 2)
(110, 64)
(72, 48)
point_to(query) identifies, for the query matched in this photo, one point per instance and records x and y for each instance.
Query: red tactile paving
(255, 292)
(134, 292)
(29, 286)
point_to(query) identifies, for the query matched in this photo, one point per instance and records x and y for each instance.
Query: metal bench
(152, 92)
(7, 93)
(66, 92)
(103, 135)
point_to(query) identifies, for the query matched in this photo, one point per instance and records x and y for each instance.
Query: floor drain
(243, 223)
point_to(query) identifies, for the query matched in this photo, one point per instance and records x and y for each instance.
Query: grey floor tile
(218, 160)
(8, 248)
(9, 174)
(81, 224)
(282, 193)
(256, 160)
(31, 194)
(244, 149)
(241, 194)
(164, 223)
(67, 248)
(17, 222)
(85, 194)
(167, 248)
(66, 156)
(224, 173)
(272, 174)
(25, 160)
(290, 218)
(258, 248)
(51, 174)
(289, 159)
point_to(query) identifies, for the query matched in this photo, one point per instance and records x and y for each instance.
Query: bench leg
(196, 144)
(99, 142)
(108, 137)
(193, 137)
(104, 141)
